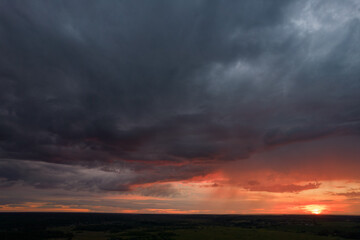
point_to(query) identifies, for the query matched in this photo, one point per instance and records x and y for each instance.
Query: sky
(209, 107)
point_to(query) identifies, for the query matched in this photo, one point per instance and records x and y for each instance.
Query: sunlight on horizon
(315, 209)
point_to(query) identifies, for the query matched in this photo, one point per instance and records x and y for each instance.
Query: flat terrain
(98, 226)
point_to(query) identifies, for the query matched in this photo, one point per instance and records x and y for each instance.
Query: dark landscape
(77, 226)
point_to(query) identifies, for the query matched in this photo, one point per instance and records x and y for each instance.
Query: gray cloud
(153, 86)
(49, 175)
(350, 195)
(281, 188)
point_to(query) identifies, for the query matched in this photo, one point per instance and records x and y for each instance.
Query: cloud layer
(107, 96)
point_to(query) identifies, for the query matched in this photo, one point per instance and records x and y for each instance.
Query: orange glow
(134, 197)
(174, 211)
(129, 211)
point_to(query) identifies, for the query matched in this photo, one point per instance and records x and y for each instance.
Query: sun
(315, 209)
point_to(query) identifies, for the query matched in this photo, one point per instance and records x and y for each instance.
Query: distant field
(91, 226)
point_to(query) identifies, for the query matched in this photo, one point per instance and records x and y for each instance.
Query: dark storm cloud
(135, 83)
(41, 175)
(49, 175)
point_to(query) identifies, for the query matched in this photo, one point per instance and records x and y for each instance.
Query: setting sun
(315, 209)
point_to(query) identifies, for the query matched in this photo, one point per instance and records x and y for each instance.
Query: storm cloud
(104, 95)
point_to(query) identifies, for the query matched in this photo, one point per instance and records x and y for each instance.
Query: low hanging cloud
(42, 175)
(281, 188)
(350, 195)
(120, 93)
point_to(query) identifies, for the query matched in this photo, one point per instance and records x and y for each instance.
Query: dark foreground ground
(81, 226)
